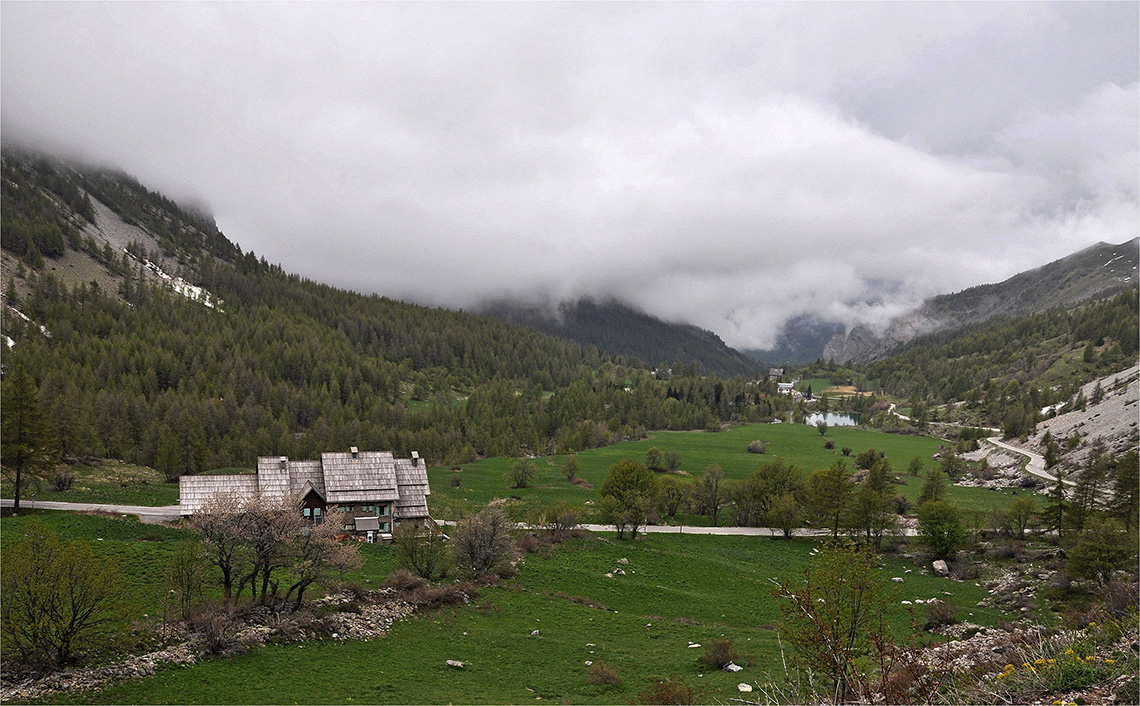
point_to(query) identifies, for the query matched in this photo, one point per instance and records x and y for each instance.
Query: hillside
(622, 331)
(148, 333)
(1092, 273)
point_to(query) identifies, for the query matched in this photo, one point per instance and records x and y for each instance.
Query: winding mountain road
(1036, 465)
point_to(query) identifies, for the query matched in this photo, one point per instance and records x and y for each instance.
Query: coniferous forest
(293, 367)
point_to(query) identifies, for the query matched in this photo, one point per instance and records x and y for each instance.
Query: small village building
(366, 493)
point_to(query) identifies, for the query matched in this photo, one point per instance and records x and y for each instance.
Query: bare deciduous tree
(420, 548)
(221, 521)
(482, 542)
(315, 555)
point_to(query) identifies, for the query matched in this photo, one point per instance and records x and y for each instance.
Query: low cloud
(729, 166)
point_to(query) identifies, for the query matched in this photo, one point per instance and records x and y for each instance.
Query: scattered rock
(623, 560)
(534, 633)
(897, 579)
(732, 667)
(455, 663)
(941, 568)
(746, 688)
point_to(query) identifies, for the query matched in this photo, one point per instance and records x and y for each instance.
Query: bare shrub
(482, 542)
(217, 625)
(602, 674)
(429, 597)
(420, 547)
(357, 590)
(1005, 550)
(671, 690)
(528, 543)
(404, 580)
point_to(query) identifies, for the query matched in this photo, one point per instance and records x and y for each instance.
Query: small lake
(833, 419)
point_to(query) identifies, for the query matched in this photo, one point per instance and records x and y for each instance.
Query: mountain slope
(1093, 273)
(154, 339)
(620, 330)
(801, 341)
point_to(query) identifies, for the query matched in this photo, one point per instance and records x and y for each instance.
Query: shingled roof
(359, 476)
(196, 491)
(412, 482)
(352, 477)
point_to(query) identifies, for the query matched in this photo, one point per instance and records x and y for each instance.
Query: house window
(349, 528)
(345, 508)
(387, 510)
(383, 526)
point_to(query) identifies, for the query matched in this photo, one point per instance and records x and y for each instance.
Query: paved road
(697, 529)
(148, 515)
(1036, 465)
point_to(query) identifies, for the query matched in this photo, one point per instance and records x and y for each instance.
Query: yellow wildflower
(1052, 661)
(1039, 660)
(1068, 652)
(1110, 661)
(1025, 664)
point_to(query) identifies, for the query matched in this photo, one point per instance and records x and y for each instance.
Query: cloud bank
(727, 165)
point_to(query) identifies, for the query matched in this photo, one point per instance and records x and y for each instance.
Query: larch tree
(25, 446)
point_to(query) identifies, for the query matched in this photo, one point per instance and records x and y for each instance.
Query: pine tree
(934, 489)
(26, 444)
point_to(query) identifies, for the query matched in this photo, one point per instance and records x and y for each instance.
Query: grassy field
(483, 481)
(678, 590)
(111, 482)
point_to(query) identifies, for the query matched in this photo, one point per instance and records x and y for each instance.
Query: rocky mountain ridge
(1093, 273)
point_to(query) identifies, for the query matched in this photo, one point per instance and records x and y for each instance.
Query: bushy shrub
(671, 690)
(757, 447)
(829, 444)
(719, 654)
(939, 614)
(602, 674)
(62, 480)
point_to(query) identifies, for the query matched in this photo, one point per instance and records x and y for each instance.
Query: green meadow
(484, 481)
(111, 482)
(678, 590)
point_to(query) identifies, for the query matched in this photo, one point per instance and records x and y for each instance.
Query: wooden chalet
(366, 493)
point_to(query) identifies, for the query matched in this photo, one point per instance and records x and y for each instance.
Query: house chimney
(353, 450)
(284, 461)
(415, 458)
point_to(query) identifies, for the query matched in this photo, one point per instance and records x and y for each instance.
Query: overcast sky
(727, 165)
